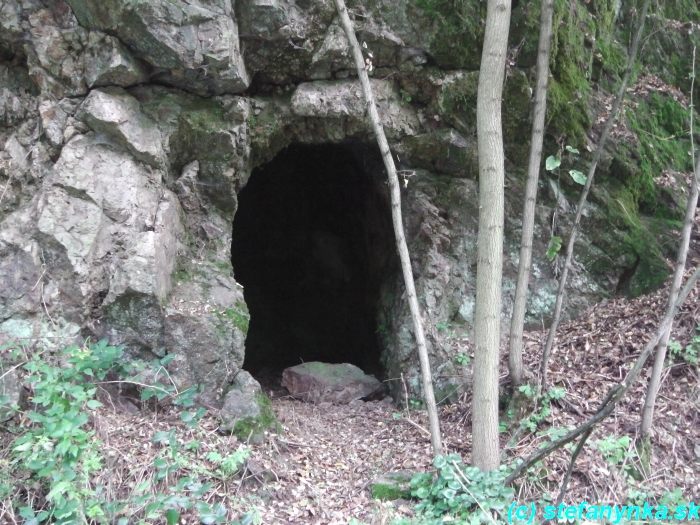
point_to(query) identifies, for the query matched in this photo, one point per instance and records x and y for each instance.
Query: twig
(409, 420)
(570, 469)
(13, 368)
(139, 384)
(43, 302)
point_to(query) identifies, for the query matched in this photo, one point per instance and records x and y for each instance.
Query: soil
(319, 469)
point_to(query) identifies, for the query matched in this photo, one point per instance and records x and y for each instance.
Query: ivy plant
(462, 492)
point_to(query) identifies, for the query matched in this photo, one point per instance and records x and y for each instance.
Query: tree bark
(655, 379)
(515, 353)
(428, 393)
(584, 194)
(485, 454)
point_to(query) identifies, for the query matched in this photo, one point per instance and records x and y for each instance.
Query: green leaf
(439, 462)
(172, 516)
(422, 493)
(161, 436)
(552, 163)
(93, 404)
(572, 150)
(214, 457)
(578, 177)
(142, 487)
(59, 488)
(552, 251)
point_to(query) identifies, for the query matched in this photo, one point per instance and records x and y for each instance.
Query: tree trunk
(487, 322)
(515, 353)
(584, 194)
(429, 395)
(655, 380)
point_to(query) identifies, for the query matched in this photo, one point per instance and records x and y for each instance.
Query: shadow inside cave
(312, 246)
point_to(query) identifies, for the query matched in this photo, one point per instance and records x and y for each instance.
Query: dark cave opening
(312, 245)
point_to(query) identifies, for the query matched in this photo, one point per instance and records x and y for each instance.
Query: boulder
(247, 412)
(391, 486)
(317, 382)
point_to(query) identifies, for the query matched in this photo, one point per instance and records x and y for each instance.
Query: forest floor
(319, 469)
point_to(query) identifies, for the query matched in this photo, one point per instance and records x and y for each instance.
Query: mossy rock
(459, 32)
(391, 486)
(658, 122)
(457, 101)
(238, 315)
(252, 428)
(517, 94)
(443, 151)
(635, 247)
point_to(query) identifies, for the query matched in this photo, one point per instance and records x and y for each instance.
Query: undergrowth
(56, 470)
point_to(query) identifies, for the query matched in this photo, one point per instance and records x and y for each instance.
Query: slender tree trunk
(515, 353)
(584, 194)
(485, 454)
(429, 395)
(655, 380)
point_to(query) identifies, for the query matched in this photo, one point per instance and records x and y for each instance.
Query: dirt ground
(319, 469)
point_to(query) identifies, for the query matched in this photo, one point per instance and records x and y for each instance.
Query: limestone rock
(113, 112)
(53, 120)
(240, 401)
(108, 62)
(444, 151)
(191, 46)
(261, 18)
(344, 98)
(391, 486)
(247, 412)
(317, 382)
(18, 269)
(10, 391)
(55, 56)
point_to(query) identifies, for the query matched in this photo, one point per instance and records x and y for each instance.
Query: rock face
(320, 382)
(10, 391)
(128, 129)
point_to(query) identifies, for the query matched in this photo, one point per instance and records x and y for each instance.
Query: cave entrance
(312, 246)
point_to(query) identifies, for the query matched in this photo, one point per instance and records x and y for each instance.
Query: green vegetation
(460, 491)
(392, 486)
(689, 353)
(545, 408)
(239, 315)
(459, 32)
(660, 124)
(251, 427)
(386, 492)
(60, 451)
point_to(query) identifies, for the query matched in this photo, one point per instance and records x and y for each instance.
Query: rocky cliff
(129, 131)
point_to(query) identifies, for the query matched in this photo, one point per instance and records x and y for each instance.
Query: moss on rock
(239, 315)
(391, 486)
(459, 32)
(253, 428)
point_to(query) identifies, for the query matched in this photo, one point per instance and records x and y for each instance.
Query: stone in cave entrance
(312, 246)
